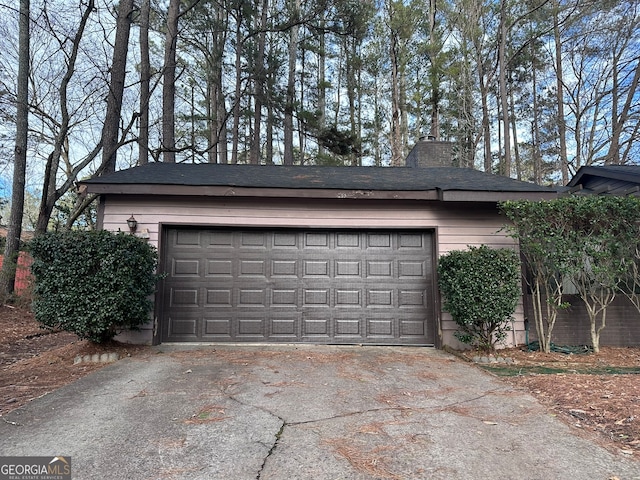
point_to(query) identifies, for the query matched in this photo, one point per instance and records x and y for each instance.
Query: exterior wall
(572, 326)
(456, 226)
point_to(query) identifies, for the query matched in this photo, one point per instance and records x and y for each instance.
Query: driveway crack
(278, 436)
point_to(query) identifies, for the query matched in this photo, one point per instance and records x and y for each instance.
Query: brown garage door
(314, 286)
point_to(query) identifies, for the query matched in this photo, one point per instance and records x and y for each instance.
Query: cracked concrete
(302, 412)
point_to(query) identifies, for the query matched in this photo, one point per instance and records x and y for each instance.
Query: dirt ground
(34, 361)
(597, 395)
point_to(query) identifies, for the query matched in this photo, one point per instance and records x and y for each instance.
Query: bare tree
(50, 193)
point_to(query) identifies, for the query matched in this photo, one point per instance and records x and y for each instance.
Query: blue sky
(5, 188)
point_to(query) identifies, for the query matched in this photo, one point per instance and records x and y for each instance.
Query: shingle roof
(316, 177)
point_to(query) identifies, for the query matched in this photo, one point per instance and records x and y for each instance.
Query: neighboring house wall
(572, 326)
(23, 273)
(456, 225)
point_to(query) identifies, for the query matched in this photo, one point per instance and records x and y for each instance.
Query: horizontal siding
(457, 225)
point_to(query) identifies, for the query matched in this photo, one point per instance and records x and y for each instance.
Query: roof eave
(494, 196)
(230, 191)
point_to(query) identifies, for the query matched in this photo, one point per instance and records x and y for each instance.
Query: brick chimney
(429, 152)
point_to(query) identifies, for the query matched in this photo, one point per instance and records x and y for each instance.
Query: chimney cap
(427, 138)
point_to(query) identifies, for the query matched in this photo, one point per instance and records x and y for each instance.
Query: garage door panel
(411, 298)
(187, 238)
(298, 286)
(348, 268)
(284, 268)
(219, 238)
(315, 326)
(316, 240)
(219, 268)
(184, 326)
(412, 327)
(379, 240)
(348, 298)
(349, 328)
(316, 297)
(184, 297)
(380, 327)
(410, 241)
(253, 240)
(380, 268)
(380, 298)
(411, 268)
(348, 240)
(252, 268)
(316, 268)
(186, 267)
(219, 297)
(286, 240)
(284, 327)
(284, 297)
(251, 297)
(253, 327)
(219, 328)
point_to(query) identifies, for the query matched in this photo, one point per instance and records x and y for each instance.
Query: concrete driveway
(293, 412)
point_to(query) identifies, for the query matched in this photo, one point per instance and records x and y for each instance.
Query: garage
(314, 254)
(298, 285)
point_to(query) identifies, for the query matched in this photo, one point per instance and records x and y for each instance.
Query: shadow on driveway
(302, 412)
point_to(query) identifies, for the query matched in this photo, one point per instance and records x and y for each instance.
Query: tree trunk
(235, 133)
(300, 124)
(514, 128)
(145, 77)
(258, 82)
(114, 101)
(322, 88)
(396, 114)
(290, 94)
(169, 83)
(216, 109)
(12, 247)
(268, 149)
(504, 102)
(562, 124)
(111, 127)
(434, 129)
(535, 130)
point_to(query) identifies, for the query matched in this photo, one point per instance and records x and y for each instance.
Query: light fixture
(133, 224)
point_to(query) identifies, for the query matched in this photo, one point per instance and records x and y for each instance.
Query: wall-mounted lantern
(133, 224)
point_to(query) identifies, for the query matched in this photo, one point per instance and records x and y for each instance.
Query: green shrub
(93, 284)
(480, 289)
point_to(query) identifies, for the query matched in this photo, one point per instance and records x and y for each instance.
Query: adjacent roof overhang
(629, 173)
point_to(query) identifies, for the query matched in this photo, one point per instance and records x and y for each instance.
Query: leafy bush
(93, 284)
(480, 288)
